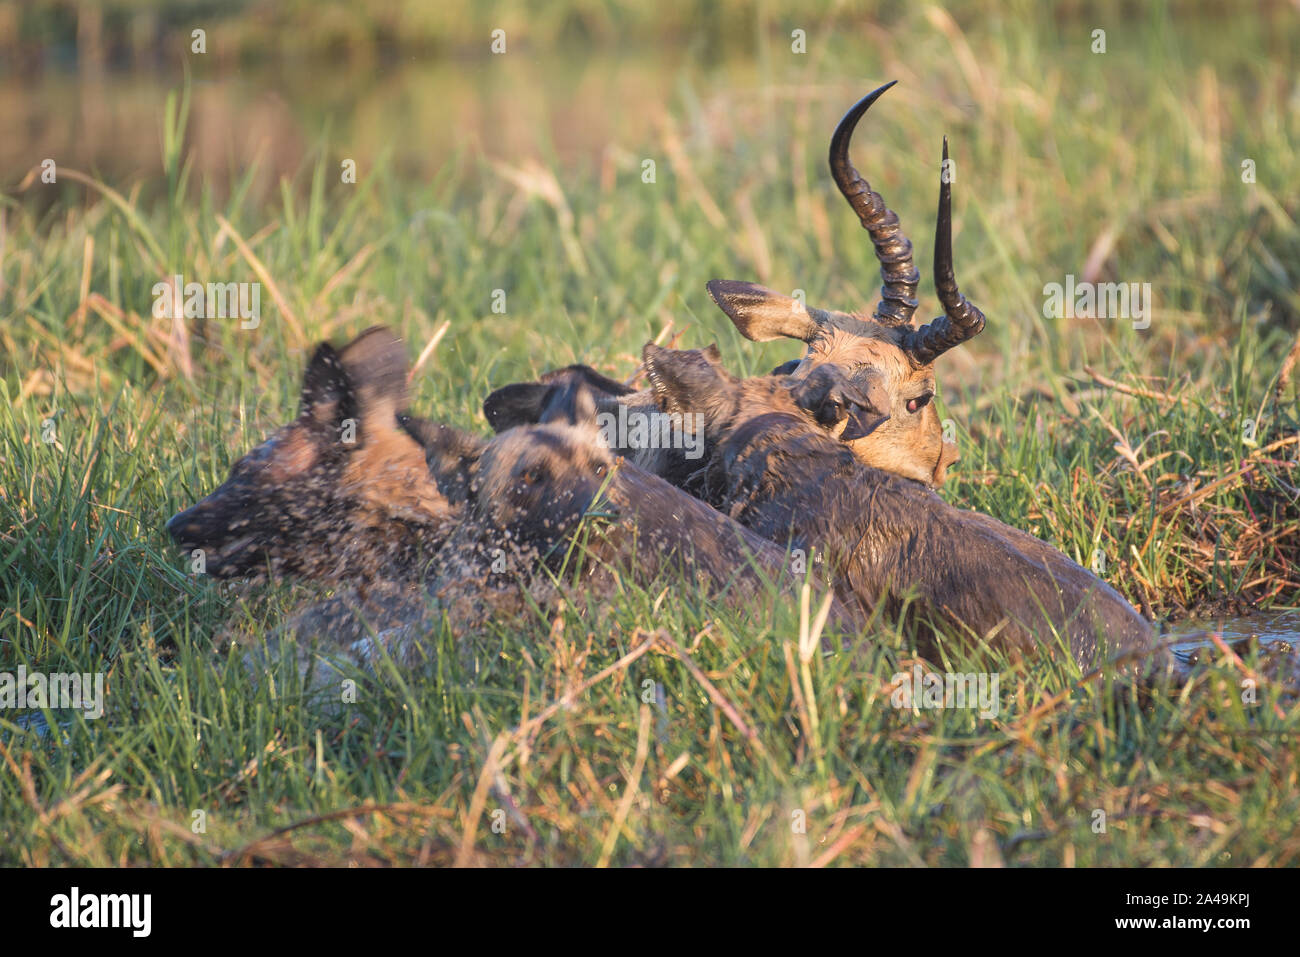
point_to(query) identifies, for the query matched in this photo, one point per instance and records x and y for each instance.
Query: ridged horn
(961, 320)
(898, 294)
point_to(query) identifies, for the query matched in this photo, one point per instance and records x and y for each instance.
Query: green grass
(1055, 148)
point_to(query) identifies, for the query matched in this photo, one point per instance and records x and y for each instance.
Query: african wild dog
(356, 491)
(342, 495)
(343, 492)
(885, 539)
(880, 360)
(533, 490)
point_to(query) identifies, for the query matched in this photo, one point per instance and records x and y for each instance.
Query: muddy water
(1264, 627)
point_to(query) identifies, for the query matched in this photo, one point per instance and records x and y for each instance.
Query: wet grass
(1166, 457)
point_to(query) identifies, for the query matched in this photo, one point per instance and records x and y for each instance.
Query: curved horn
(898, 294)
(961, 320)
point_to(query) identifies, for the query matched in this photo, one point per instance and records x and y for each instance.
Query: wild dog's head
(523, 403)
(758, 439)
(534, 483)
(827, 396)
(341, 491)
(882, 354)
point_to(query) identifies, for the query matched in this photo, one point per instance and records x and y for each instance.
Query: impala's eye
(920, 402)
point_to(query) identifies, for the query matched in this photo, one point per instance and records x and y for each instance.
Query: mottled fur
(419, 519)
(537, 484)
(342, 492)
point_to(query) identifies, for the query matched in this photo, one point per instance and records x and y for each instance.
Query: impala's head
(881, 352)
(824, 402)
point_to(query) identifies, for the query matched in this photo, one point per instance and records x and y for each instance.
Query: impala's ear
(761, 314)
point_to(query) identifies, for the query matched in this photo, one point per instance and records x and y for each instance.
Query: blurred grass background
(524, 172)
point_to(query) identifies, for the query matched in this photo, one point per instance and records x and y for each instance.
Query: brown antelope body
(886, 539)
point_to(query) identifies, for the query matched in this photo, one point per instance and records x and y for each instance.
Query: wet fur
(826, 396)
(420, 519)
(308, 503)
(538, 483)
(888, 540)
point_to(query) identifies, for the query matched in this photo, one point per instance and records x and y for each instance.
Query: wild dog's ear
(761, 314)
(571, 404)
(376, 366)
(442, 441)
(327, 395)
(859, 419)
(682, 380)
(861, 423)
(786, 368)
(598, 383)
(520, 403)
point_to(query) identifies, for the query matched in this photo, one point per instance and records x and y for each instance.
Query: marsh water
(569, 102)
(415, 116)
(1261, 628)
